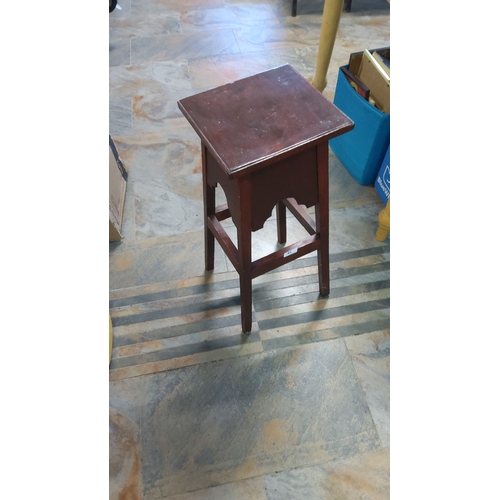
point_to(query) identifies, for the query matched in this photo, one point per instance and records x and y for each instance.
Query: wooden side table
(264, 139)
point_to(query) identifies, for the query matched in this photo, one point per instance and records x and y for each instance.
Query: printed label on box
(384, 181)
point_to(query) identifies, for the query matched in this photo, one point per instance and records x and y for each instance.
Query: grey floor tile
(218, 70)
(259, 38)
(153, 7)
(153, 78)
(159, 259)
(364, 476)
(354, 228)
(164, 23)
(370, 354)
(185, 46)
(168, 210)
(229, 16)
(240, 418)
(120, 117)
(125, 400)
(250, 489)
(119, 51)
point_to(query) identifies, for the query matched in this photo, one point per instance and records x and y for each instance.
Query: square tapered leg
(209, 209)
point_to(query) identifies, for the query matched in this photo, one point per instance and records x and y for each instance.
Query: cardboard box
(383, 180)
(366, 67)
(356, 57)
(361, 150)
(380, 90)
(117, 187)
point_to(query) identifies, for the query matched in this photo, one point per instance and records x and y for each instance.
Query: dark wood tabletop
(249, 123)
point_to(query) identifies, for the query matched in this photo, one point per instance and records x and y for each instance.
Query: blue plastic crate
(383, 180)
(361, 150)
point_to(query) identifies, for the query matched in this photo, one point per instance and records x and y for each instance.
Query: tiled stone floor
(300, 408)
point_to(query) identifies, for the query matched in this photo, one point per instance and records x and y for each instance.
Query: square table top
(263, 117)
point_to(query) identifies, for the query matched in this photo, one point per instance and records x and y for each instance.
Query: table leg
(384, 219)
(322, 222)
(281, 221)
(329, 26)
(245, 254)
(294, 8)
(208, 209)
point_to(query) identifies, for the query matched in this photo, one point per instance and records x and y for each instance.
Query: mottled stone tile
(198, 358)
(269, 38)
(168, 208)
(189, 46)
(323, 309)
(207, 425)
(161, 153)
(250, 489)
(190, 321)
(159, 259)
(168, 78)
(153, 7)
(365, 476)
(120, 117)
(228, 17)
(354, 228)
(125, 399)
(165, 23)
(119, 52)
(219, 70)
(154, 110)
(370, 354)
(344, 191)
(314, 331)
(127, 296)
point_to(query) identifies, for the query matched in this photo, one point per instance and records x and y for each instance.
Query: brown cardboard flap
(118, 160)
(355, 58)
(380, 89)
(117, 189)
(114, 234)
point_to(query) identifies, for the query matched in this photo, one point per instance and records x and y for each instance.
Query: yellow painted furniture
(329, 26)
(384, 218)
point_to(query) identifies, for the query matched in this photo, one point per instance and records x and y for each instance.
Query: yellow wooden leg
(384, 218)
(329, 26)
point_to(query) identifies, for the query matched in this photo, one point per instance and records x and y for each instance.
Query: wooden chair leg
(322, 220)
(281, 221)
(384, 222)
(332, 11)
(294, 8)
(245, 255)
(208, 209)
